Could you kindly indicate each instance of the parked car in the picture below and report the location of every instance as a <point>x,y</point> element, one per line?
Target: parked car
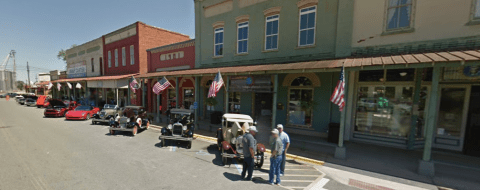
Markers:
<point>30,102</point>
<point>21,100</point>
<point>180,127</point>
<point>57,108</point>
<point>18,97</point>
<point>230,136</point>
<point>3,95</point>
<point>107,115</point>
<point>81,113</point>
<point>42,100</point>
<point>131,119</point>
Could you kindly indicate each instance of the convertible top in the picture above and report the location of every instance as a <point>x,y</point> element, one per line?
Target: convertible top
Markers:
<point>237,116</point>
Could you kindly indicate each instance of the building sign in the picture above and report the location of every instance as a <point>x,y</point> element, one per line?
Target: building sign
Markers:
<point>461,73</point>
<point>171,56</point>
<point>251,84</point>
<point>77,70</point>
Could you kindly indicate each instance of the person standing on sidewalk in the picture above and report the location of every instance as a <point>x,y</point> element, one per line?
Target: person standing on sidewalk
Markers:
<point>249,147</point>
<point>276,146</point>
<point>286,143</point>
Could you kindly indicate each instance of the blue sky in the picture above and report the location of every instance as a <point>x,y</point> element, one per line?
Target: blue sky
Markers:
<point>37,30</point>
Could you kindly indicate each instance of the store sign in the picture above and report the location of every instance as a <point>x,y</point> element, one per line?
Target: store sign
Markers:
<point>171,56</point>
<point>461,73</point>
<point>250,84</point>
<point>77,70</point>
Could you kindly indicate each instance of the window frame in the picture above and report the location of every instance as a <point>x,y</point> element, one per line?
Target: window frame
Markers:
<point>248,35</point>
<point>132,55</point>
<point>109,59</point>
<point>92,64</point>
<point>475,11</point>
<point>116,57</point>
<point>410,27</point>
<point>277,34</point>
<point>124,57</point>
<point>314,27</point>
<point>214,40</point>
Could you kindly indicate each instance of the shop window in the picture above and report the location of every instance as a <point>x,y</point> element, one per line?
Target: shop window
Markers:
<point>234,102</point>
<point>427,74</point>
<point>400,74</point>
<point>306,34</point>
<point>300,103</point>
<point>301,81</point>
<point>242,40</point>
<point>271,32</point>
<point>399,14</point>
<point>188,98</point>
<point>172,98</point>
<point>218,42</point>
<point>371,76</point>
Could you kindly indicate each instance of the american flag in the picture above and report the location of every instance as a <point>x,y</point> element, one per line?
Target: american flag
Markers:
<point>134,84</point>
<point>339,92</point>
<point>216,85</point>
<point>161,85</point>
<point>59,86</point>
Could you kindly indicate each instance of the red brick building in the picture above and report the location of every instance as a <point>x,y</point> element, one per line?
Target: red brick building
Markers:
<point>178,56</point>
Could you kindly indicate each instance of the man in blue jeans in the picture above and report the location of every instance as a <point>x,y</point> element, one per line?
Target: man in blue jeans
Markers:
<point>276,158</point>
<point>249,147</point>
<point>286,143</point>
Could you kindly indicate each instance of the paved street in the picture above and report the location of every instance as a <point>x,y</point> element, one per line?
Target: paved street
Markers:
<point>51,153</point>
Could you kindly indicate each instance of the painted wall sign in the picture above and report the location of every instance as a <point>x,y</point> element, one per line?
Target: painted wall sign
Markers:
<point>170,56</point>
<point>77,70</point>
<point>471,71</point>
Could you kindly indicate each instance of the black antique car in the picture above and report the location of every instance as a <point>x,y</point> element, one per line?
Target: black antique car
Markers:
<point>131,119</point>
<point>180,127</point>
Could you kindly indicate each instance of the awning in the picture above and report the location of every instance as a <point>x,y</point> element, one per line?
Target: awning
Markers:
<point>328,65</point>
<point>101,78</point>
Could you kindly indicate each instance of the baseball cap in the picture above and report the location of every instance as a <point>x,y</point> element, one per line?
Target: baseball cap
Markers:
<point>253,128</point>
<point>279,126</point>
<point>275,131</point>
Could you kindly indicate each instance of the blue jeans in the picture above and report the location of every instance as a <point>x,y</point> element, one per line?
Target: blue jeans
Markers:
<point>248,164</point>
<point>282,164</point>
<point>275,169</point>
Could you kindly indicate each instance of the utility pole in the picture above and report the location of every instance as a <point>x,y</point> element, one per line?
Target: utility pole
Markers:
<point>28,71</point>
<point>14,87</point>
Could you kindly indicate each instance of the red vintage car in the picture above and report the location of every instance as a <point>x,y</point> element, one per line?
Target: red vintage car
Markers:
<point>57,108</point>
<point>81,113</point>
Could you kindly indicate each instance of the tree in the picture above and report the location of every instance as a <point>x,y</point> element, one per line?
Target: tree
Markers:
<point>20,85</point>
<point>63,55</point>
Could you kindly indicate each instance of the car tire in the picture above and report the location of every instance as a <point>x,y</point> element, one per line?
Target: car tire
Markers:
<point>112,132</point>
<point>189,145</point>
<point>135,130</point>
<point>94,123</point>
<point>88,117</point>
<point>259,163</point>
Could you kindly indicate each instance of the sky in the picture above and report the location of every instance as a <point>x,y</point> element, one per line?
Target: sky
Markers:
<point>37,30</point>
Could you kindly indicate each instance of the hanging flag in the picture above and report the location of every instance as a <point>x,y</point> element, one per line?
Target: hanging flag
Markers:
<point>161,85</point>
<point>134,84</point>
<point>50,85</point>
<point>339,92</point>
<point>78,86</point>
<point>59,86</point>
<point>216,85</point>
<point>69,85</point>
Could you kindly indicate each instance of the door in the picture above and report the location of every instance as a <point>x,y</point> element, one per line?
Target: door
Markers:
<point>451,117</point>
<point>263,105</point>
<point>472,142</point>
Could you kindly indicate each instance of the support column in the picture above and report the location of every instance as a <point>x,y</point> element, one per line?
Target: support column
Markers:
<point>416,98</point>
<point>197,100</point>
<point>274,102</point>
<point>426,166</point>
<point>118,101</point>
<point>128,92</point>
<point>158,105</point>
<point>227,86</point>
<point>176,92</point>
<point>144,88</point>
<point>340,150</point>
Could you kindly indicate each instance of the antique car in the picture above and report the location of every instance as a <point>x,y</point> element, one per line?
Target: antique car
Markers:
<point>42,100</point>
<point>107,115</point>
<point>230,136</point>
<point>180,127</point>
<point>57,108</point>
<point>81,113</point>
<point>30,102</point>
<point>132,119</point>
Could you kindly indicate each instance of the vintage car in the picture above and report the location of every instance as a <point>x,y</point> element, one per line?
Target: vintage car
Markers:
<point>180,127</point>
<point>81,113</point>
<point>107,115</point>
<point>30,102</point>
<point>132,119</point>
<point>230,136</point>
<point>57,108</point>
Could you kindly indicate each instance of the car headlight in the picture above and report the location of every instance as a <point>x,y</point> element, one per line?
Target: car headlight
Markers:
<point>83,114</point>
<point>184,127</point>
<point>170,126</point>
<point>98,112</point>
<point>66,113</point>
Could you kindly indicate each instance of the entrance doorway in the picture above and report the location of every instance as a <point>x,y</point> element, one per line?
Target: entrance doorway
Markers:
<point>472,142</point>
<point>263,106</point>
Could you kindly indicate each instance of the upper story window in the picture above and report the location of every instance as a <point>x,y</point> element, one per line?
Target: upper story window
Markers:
<point>93,65</point>
<point>132,55</point>
<point>271,32</point>
<point>116,57</point>
<point>307,26</point>
<point>218,42</point>
<point>399,14</point>
<point>109,59</point>
<point>476,12</point>
<point>124,57</point>
<point>242,40</point>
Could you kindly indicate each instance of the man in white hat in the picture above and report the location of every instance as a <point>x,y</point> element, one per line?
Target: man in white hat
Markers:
<point>286,143</point>
<point>276,146</point>
<point>249,147</point>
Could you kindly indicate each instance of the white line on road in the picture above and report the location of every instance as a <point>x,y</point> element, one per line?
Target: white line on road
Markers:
<point>319,185</point>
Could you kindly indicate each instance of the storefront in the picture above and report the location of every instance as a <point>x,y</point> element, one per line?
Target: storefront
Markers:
<point>109,90</point>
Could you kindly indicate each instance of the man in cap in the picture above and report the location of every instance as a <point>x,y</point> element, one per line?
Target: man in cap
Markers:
<point>249,147</point>
<point>276,146</point>
<point>286,143</point>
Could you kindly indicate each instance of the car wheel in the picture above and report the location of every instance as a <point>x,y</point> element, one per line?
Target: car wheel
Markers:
<point>94,123</point>
<point>88,117</point>
<point>260,159</point>
<point>189,146</point>
<point>112,132</point>
<point>135,129</point>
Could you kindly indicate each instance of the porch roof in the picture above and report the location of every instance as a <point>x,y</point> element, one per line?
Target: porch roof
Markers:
<point>116,77</point>
<point>328,65</point>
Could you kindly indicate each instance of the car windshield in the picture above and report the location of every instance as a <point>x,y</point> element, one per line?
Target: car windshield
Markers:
<point>109,106</point>
<point>83,108</point>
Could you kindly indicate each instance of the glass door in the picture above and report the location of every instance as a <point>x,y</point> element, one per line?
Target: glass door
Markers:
<point>451,118</point>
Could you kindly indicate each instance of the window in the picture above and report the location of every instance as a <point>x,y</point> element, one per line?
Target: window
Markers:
<point>399,14</point>
<point>476,12</point>
<point>271,32</point>
<point>109,59</point>
<point>93,66</point>
<point>307,26</point>
<point>172,98</point>
<point>116,57</point>
<point>242,40</point>
<point>218,42</point>
<point>132,55</point>
<point>234,102</point>
<point>124,60</point>
<point>300,103</point>
<point>188,97</point>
